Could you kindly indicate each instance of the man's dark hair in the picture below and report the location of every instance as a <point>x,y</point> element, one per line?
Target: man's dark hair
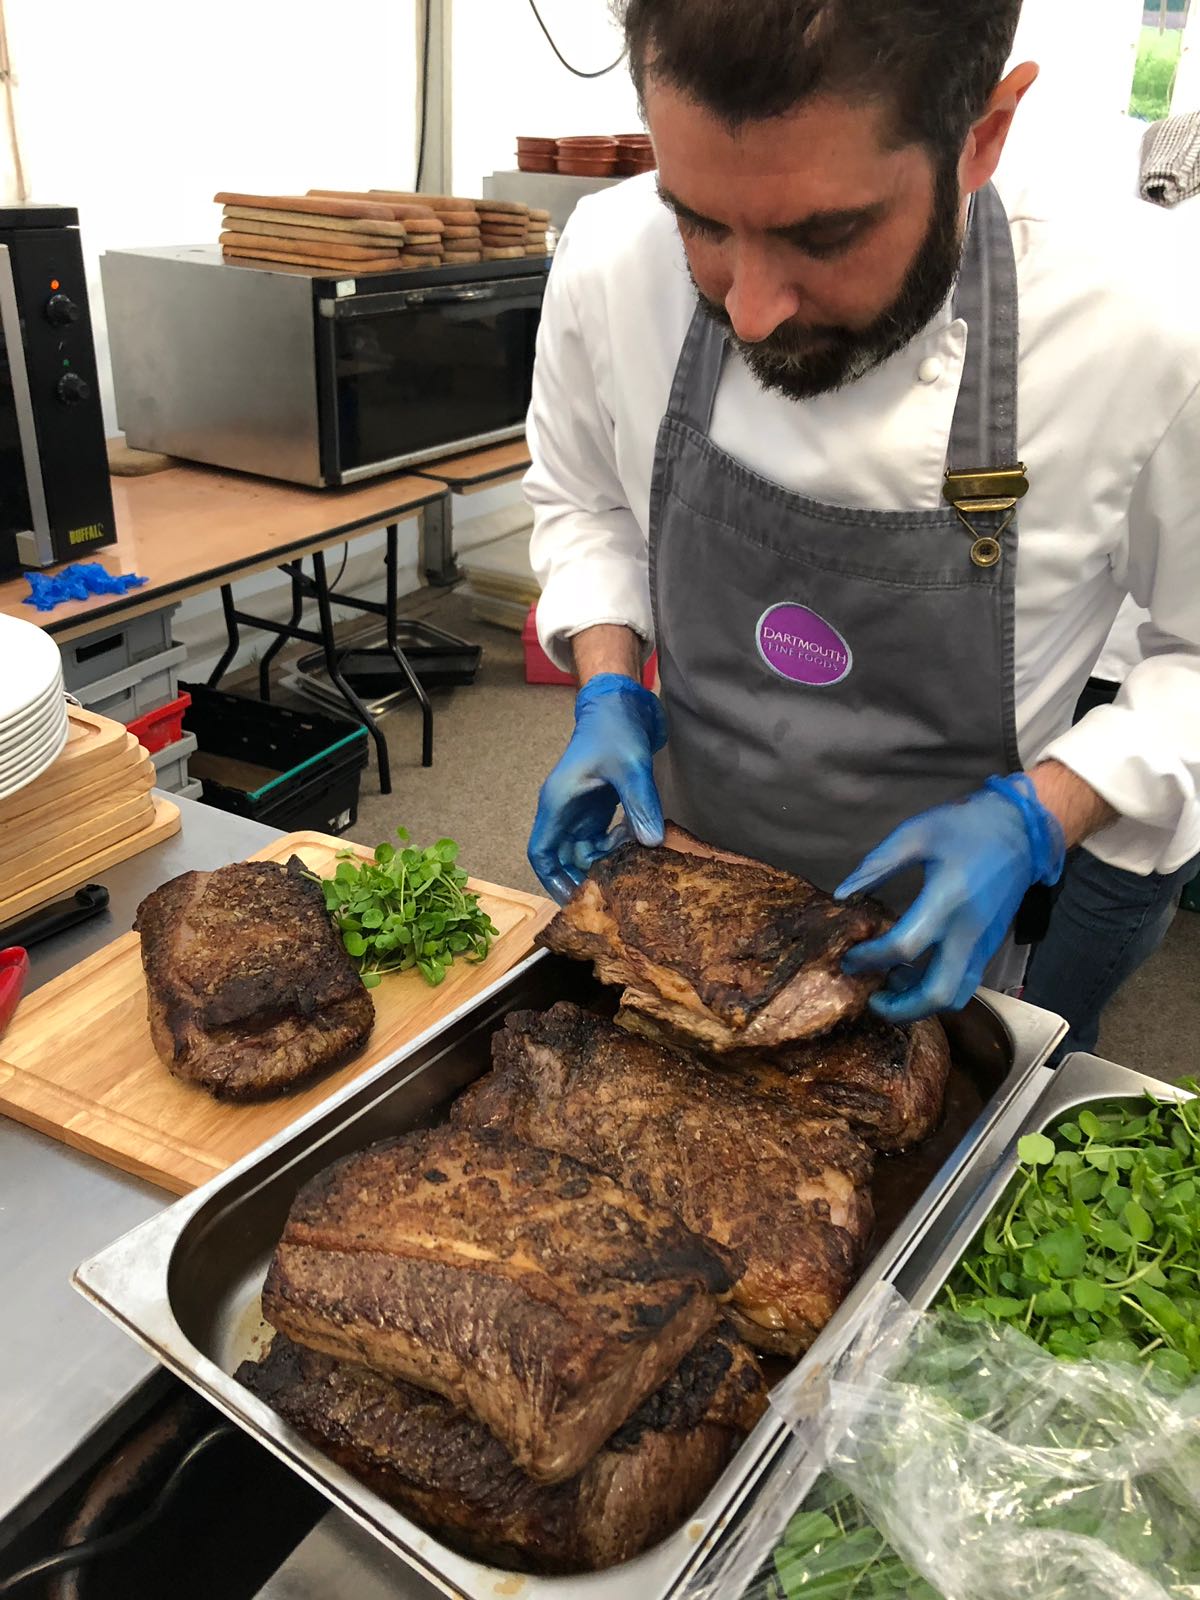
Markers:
<point>935,62</point>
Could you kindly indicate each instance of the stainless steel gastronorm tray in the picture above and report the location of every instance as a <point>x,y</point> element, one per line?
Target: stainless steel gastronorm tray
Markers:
<point>1081,1081</point>
<point>186,1283</point>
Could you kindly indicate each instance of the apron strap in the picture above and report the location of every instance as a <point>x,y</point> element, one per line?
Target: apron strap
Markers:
<point>698,373</point>
<point>984,431</point>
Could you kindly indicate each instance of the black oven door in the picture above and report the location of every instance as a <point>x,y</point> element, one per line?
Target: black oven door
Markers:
<point>409,374</point>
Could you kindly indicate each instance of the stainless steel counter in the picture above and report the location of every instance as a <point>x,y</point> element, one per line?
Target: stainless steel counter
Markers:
<point>63,1369</point>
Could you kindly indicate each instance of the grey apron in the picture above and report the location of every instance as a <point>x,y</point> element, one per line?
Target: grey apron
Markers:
<point>828,672</point>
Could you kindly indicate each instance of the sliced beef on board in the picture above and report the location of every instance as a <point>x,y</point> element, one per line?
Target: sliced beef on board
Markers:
<point>788,1192</point>
<point>730,953</point>
<point>516,1282</point>
<point>250,990</point>
<point>443,1468</point>
<point>888,1082</point>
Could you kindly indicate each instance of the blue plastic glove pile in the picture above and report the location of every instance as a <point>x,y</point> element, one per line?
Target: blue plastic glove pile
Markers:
<point>79,581</point>
<point>980,857</point>
<point>619,728</point>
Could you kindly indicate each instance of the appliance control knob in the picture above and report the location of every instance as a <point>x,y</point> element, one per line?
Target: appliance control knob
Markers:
<point>72,389</point>
<point>61,311</point>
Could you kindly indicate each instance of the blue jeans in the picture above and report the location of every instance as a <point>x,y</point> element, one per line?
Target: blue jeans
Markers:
<point>1104,924</point>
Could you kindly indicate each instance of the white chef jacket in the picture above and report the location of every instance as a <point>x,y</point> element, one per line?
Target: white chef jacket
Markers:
<point>1108,427</point>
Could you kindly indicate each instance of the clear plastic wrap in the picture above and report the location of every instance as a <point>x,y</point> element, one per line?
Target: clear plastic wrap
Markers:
<point>939,1457</point>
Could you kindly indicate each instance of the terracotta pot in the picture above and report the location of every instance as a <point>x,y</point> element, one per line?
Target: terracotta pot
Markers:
<point>588,146</point>
<point>537,147</point>
<point>528,162</point>
<point>578,168</point>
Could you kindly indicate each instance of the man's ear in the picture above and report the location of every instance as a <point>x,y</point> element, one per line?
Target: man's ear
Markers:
<point>986,140</point>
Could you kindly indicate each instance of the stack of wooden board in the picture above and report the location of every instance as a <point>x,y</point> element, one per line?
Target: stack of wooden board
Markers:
<point>357,231</point>
<point>329,233</point>
<point>536,225</point>
<point>92,807</point>
<point>460,219</point>
<point>473,230</point>
<point>511,230</point>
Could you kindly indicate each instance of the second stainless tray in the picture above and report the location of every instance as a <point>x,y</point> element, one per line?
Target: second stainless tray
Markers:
<point>186,1284</point>
<point>1082,1080</point>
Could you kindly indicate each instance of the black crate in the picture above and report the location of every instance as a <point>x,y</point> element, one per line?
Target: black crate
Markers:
<point>318,760</point>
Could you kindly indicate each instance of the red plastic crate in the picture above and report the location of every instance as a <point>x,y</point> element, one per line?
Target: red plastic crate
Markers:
<point>162,726</point>
<point>540,669</point>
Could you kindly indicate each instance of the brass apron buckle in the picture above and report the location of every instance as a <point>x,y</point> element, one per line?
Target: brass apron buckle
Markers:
<point>972,493</point>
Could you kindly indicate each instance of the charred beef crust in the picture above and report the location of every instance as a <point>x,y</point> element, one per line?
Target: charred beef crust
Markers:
<point>249,988</point>
<point>730,951</point>
<point>718,1380</point>
<point>737,933</point>
<point>887,1081</point>
<point>443,1467</point>
<point>260,946</point>
<point>788,1191</point>
<point>512,1280</point>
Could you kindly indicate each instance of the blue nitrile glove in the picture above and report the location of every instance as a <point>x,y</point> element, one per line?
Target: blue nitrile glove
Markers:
<point>980,857</point>
<point>618,728</point>
<point>79,581</point>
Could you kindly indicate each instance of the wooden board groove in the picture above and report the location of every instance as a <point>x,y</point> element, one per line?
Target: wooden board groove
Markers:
<point>77,1062</point>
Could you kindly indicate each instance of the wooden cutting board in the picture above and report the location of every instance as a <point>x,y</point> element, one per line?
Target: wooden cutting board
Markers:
<point>77,1061</point>
<point>123,815</point>
<point>159,823</point>
<point>60,788</point>
<point>72,827</point>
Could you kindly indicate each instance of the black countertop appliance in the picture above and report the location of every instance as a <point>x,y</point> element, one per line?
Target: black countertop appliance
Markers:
<point>55,498</point>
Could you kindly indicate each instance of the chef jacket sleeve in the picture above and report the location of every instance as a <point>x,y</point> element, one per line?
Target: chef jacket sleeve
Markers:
<point>1142,753</point>
<point>588,549</point>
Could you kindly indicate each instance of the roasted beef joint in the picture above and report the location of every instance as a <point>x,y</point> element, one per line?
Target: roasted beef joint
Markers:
<point>439,1465</point>
<point>786,1190</point>
<point>249,988</point>
<point>887,1081</point>
<point>730,953</point>
<point>516,1282</point>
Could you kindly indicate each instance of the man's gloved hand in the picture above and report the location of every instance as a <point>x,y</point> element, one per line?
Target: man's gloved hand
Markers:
<point>980,857</point>
<point>619,726</point>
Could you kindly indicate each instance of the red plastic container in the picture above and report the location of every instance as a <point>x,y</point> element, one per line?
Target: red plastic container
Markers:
<point>162,726</point>
<point>540,669</point>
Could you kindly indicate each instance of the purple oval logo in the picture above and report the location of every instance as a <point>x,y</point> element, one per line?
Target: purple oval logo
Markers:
<point>801,646</point>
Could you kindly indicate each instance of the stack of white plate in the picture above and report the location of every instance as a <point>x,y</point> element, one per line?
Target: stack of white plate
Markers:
<point>33,705</point>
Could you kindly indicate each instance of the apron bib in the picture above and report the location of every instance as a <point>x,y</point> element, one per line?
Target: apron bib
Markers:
<point>827,672</point>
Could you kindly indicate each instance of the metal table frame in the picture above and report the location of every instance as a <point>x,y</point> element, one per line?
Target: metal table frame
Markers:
<point>440,569</point>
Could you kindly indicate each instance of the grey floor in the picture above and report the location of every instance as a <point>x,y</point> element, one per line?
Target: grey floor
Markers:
<point>494,743</point>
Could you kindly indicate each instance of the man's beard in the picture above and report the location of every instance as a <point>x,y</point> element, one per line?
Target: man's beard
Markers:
<point>790,362</point>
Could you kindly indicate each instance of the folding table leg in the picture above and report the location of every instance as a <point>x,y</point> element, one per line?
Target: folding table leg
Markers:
<point>391,560</point>
<point>231,629</point>
<point>333,665</point>
<point>293,570</point>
